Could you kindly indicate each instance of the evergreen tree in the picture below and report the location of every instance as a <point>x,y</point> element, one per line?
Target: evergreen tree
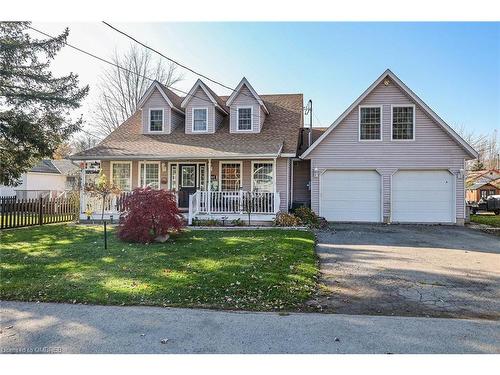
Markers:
<point>35,106</point>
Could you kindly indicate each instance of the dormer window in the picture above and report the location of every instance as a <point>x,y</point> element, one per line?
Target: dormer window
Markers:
<point>156,120</point>
<point>245,118</point>
<point>200,116</point>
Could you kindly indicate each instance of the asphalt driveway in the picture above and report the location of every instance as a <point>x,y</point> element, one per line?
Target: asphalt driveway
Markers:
<point>409,270</point>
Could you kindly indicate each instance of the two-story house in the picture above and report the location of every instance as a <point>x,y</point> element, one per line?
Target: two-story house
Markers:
<point>217,153</point>
<point>387,158</point>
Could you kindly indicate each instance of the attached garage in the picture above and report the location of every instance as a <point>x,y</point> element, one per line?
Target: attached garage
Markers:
<point>352,196</point>
<point>423,196</point>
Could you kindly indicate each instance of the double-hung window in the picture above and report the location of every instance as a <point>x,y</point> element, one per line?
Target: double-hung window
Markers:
<point>403,122</point>
<point>370,123</point>
<point>200,117</point>
<point>149,174</point>
<point>156,120</point>
<point>245,118</point>
<point>230,176</point>
<point>262,177</point>
<point>121,175</point>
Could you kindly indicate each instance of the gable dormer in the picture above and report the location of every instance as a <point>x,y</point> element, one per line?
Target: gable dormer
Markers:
<point>161,112</point>
<point>204,109</point>
<point>247,109</point>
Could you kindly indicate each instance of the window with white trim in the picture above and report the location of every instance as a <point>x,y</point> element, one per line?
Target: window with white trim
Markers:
<point>121,175</point>
<point>370,123</point>
<point>150,175</point>
<point>200,116</point>
<point>156,120</point>
<point>402,123</point>
<point>245,118</point>
<point>230,176</point>
<point>263,177</point>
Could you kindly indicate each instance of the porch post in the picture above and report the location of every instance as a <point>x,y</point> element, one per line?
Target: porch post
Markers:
<point>209,187</point>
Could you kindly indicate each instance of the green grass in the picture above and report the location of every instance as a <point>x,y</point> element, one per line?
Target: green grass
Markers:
<point>492,220</point>
<point>254,270</point>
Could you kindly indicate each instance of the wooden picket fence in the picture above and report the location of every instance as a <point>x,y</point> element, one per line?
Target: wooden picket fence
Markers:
<point>37,211</point>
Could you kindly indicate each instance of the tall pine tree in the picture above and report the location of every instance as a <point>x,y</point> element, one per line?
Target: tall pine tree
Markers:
<point>35,106</point>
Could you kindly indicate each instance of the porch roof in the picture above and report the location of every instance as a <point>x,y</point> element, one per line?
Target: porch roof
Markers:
<point>280,134</point>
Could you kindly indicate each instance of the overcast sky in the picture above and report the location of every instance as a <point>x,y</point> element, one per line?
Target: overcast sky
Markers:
<point>453,67</point>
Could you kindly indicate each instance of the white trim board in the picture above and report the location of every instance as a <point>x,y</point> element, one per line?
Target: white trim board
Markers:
<point>237,129</point>
<point>121,162</point>
<point>388,73</point>
<point>240,162</point>
<point>414,121</point>
<point>253,162</point>
<point>206,120</point>
<point>162,120</point>
<point>381,123</point>
<point>139,172</point>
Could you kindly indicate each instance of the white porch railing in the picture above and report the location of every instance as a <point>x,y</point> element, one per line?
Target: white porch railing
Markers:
<point>233,202</point>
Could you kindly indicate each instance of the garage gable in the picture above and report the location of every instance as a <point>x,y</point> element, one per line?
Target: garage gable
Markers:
<point>431,132</point>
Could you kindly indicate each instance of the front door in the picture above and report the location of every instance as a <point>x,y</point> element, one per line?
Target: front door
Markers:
<point>187,183</point>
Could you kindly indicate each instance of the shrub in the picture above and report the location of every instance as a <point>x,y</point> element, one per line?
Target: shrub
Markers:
<point>284,219</point>
<point>148,214</point>
<point>238,222</point>
<point>307,216</point>
<point>206,223</point>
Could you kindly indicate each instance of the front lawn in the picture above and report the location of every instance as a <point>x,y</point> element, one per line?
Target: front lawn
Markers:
<point>492,220</point>
<point>254,270</point>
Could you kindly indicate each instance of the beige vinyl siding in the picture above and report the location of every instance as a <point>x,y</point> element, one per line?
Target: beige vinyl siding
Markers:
<point>106,169</point>
<point>301,177</point>
<point>156,101</point>
<point>432,148</point>
<point>200,100</point>
<point>219,117</point>
<point>178,120</point>
<point>282,181</point>
<point>246,99</point>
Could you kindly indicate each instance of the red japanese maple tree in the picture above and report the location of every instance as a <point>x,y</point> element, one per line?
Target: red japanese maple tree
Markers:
<point>148,214</point>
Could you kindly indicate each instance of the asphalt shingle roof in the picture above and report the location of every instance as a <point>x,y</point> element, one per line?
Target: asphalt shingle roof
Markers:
<point>280,133</point>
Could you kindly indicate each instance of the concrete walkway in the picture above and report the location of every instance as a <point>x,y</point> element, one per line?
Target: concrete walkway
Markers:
<point>63,328</point>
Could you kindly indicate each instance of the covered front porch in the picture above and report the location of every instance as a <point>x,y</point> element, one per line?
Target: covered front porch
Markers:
<point>219,189</point>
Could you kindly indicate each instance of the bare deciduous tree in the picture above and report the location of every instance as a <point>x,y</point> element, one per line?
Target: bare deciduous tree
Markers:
<point>83,142</point>
<point>120,90</point>
<point>487,145</point>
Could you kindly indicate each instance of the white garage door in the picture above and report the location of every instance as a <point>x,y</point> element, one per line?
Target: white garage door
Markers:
<point>423,197</point>
<point>350,196</point>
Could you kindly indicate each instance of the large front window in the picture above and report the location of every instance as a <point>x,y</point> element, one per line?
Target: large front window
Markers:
<point>200,116</point>
<point>370,123</point>
<point>121,175</point>
<point>230,176</point>
<point>245,118</point>
<point>156,120</point>
<point>403,123</point>
<point>150,175</point>
<point>262,177</point>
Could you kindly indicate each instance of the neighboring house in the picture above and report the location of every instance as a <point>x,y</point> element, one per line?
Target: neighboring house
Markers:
<point>211,150</point>
<point>481,184</point>
<point>389,158</point>
<point>48,178</point>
